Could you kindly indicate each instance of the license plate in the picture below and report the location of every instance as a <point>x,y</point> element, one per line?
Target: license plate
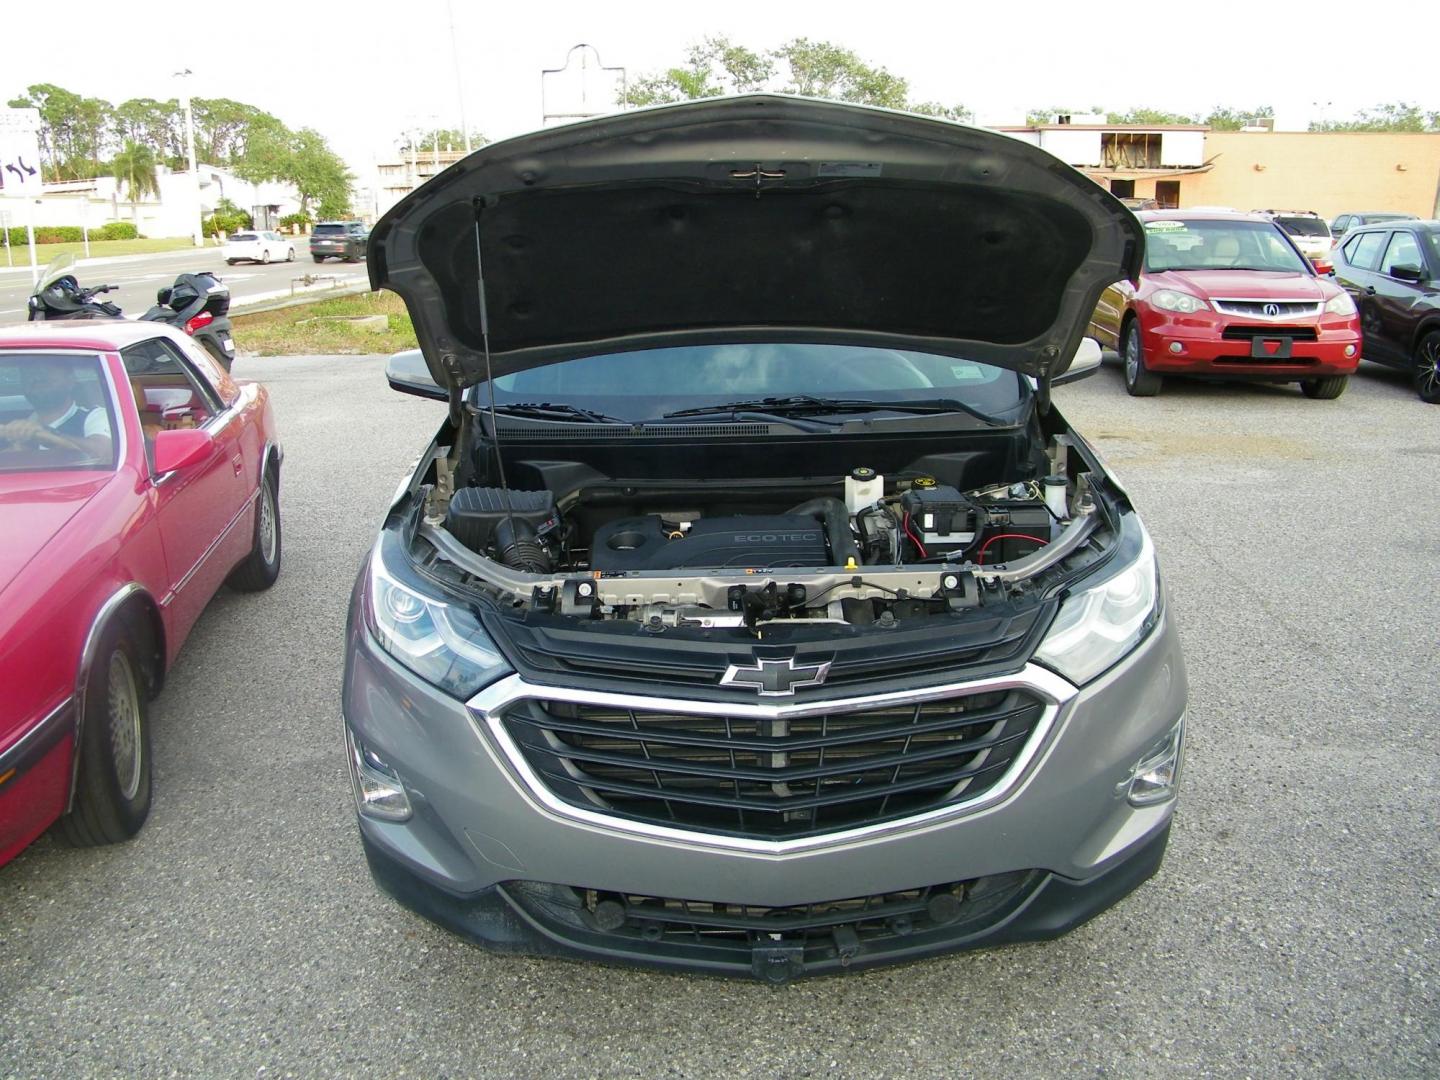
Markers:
<point>1271,348</point>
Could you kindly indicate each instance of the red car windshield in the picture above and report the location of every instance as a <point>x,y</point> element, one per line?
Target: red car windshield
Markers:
<point>1218,244</point>
<point>55,414</point>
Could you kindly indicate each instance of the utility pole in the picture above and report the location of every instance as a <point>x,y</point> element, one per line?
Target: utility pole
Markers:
<point>197,232</point>
<point>459,86</point>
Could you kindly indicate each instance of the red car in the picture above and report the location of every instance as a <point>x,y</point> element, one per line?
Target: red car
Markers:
<point>1228,296</point>
<point>136,477</point>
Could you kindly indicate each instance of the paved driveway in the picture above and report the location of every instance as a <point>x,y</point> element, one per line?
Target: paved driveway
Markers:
<point>1292,931</point>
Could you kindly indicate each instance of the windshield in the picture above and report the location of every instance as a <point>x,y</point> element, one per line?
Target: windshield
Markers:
<point>54,414</point>
<point>1303,226</point>
<point>647,384</point>
<point>244,237</point>
<point>58,267</point>
<point>329,230</point>
<point>1218,244</point>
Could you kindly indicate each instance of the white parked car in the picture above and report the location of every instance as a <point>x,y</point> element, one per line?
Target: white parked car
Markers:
<point>259,245</point>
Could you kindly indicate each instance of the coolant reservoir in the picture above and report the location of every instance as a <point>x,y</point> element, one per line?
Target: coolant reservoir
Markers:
<point>863,487</point>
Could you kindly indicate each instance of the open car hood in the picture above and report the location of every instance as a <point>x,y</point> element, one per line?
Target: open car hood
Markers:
<point>753,218</point>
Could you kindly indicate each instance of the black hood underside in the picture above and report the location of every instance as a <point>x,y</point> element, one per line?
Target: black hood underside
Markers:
<point>758,218</point>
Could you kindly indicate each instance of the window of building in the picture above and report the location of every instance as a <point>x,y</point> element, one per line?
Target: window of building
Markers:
<point>1167,194</point>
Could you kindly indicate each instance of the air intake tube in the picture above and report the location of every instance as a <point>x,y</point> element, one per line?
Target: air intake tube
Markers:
<point>832,511</point>
<point>518,547</point>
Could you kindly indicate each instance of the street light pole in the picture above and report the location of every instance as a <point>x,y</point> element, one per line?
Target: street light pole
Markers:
<point>459,86</point>
<point>197,232</point>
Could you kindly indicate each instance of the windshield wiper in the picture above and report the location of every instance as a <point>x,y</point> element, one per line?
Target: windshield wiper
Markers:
<point>807,405</point>
<point>546,410</point>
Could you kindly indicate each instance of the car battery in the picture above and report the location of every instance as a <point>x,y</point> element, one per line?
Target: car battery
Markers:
<point>1016,528</point>
<point>942,518</point>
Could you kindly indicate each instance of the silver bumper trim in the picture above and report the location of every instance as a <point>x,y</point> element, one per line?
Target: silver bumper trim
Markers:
<point>487,706</point>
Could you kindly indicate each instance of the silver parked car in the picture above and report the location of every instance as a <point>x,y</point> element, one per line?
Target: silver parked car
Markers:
<point>755,611</point>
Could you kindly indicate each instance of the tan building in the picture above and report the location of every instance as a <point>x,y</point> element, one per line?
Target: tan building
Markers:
<point>1328,172</point>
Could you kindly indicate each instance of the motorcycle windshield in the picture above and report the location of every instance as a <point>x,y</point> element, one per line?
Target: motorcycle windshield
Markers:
<point>58,267</point>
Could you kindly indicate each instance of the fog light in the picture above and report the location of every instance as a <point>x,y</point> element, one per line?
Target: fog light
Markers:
<point>1176,347</point>
<point>1349,350</point>
<point>1156,775</point>
<point>378,790</point>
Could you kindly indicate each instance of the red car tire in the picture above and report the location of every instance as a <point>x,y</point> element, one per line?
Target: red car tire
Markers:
<point>113,788</point>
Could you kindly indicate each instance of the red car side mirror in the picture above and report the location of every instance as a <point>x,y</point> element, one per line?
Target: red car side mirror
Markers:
<point>181,448</point>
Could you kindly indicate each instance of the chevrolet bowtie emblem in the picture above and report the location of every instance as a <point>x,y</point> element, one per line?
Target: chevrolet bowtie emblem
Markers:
<point>775,678</point>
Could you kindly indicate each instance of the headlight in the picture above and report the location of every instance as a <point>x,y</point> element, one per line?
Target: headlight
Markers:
<point>1097,627</point>
<point>441,642</point>
<point>1175,300</point>
<point>1340,304</point>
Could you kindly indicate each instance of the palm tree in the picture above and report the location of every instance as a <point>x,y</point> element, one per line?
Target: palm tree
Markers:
<point>134,170</point>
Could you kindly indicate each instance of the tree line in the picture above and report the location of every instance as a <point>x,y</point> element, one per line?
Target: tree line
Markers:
<point>716,66</point>
<point>85,137</point>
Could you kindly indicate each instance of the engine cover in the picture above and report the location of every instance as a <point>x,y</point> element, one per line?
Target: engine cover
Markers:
<point>761,542</point>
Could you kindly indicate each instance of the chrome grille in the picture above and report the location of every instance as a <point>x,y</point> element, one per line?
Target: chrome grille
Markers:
<point>1269,309</point>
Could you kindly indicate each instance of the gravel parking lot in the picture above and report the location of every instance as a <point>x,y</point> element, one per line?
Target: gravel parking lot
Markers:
<point>1292,931</point>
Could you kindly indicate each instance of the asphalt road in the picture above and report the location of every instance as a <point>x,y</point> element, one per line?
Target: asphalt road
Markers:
<point>138,276</point>
<point>1291,932</point>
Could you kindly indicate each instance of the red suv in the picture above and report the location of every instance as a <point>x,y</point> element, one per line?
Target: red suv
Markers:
<point>1228,296</point>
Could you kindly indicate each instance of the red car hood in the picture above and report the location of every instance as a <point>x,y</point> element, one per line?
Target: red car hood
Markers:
<point>1242,284</point>
<point>33,508</point>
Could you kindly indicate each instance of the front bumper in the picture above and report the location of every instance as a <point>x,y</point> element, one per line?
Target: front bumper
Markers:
<point>481,846</point>
<point>1203,351</point>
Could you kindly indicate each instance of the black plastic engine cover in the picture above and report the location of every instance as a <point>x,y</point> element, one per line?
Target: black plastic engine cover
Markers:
<point>759,542</point>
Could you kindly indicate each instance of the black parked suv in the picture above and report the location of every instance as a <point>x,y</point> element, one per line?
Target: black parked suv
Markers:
<point>339,239</point>
<point>1393,272</point>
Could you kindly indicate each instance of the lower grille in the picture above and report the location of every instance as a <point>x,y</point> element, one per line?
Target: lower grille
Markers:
<point>777,942</point>
<point>768,778</point>
<point>1250,333</point>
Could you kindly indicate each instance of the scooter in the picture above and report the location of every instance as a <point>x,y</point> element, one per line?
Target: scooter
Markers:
<point>199,304</point>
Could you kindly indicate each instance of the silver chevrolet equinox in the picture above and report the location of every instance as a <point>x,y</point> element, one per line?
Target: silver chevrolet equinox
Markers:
<point>755,611</point>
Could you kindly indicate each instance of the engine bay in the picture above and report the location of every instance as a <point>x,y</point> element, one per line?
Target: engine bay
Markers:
<point>861,548</point>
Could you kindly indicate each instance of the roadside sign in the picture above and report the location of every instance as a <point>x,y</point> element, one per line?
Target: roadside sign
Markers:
<point>20,167</point>
<point>20,152</point>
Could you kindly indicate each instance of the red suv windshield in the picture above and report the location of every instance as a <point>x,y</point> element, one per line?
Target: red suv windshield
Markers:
<point>1218,244</point>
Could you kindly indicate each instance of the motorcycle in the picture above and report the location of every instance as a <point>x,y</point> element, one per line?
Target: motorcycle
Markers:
<point>58,295</point>
<point>198,304</point>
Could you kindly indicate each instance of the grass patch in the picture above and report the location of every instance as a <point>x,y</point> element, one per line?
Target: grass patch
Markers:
<point>45,252</point>
<point>317,328</point>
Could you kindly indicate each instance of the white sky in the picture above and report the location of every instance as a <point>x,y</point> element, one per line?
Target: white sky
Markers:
<point>361,71</point>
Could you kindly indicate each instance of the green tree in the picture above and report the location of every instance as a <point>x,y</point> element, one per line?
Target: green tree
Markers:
<point>959,113</point>
<point>158,124</point>
<point>1400,116</point>
<point>73,130</point>
<point>225,128</point>
<point>304,159</point>
<point>821,69</point>
<point>1149,118</point>
<point>134,170</point>
<point>712,68</point>
<point>717,66</point>
<point>1223,118</point>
